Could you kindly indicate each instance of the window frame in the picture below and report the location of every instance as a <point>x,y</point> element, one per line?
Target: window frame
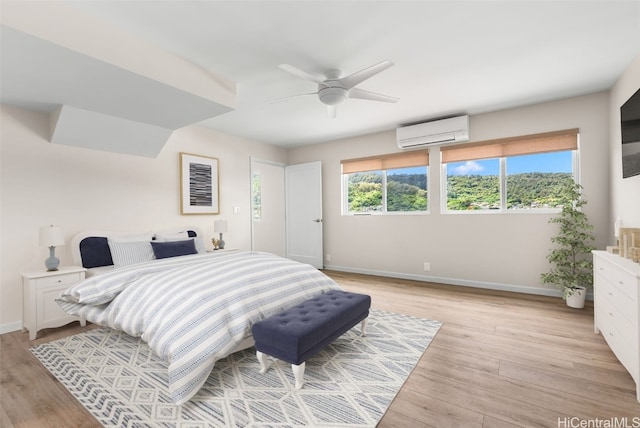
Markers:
<point>381,161</point>
<point>502,179</point>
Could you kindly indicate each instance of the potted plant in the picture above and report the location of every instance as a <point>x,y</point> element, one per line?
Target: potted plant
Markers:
<point>572,266</point>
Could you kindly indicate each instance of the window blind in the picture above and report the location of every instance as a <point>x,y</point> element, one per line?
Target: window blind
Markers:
<point>514,146</point>
<point>384,162</point>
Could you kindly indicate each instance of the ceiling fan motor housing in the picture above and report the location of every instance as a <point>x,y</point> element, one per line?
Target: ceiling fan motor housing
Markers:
<point>332,95</point>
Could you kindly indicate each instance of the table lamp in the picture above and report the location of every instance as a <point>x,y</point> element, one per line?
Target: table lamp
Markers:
<point>51,236</point>
<point>220,226</point>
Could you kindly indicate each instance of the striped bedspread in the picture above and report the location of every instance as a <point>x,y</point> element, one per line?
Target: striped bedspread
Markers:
<point>194,310</point>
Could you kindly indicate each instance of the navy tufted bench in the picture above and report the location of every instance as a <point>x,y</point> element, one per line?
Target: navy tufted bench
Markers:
<point>302,331</point>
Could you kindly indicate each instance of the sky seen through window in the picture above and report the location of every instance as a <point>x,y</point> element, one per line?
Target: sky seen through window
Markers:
<point>543,162</point>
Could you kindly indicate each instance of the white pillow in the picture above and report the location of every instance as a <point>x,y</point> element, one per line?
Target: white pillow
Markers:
<point>200,248</point>
<point>181,236</point>
<point>138,237</point>
<point>128,253</point>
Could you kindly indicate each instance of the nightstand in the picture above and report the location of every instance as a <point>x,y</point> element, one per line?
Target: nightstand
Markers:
<point>39,291</point>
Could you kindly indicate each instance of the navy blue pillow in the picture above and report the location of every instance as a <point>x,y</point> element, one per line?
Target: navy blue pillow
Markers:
<point>95,252</point>
<point>163,250</point>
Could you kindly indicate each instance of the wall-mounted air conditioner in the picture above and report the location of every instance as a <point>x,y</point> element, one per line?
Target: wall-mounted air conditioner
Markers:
<point>437,132</point>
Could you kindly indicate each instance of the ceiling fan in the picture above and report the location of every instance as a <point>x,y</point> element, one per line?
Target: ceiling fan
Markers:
<point>333,89</point>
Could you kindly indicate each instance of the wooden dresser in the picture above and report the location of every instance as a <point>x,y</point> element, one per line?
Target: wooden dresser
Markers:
<point>617,308</point>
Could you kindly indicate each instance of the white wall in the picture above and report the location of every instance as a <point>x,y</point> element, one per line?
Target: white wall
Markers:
<point>79,189</point>
<point>503,251</point>
<point>625,193</point>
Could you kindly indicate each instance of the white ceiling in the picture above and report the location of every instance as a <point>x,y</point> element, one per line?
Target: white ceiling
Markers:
<point>451,57</point>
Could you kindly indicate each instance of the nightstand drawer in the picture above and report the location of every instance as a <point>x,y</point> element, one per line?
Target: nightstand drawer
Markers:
<point>67,279</point>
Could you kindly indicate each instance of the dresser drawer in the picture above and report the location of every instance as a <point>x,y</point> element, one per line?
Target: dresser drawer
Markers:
<point>610,317</point>
<point>624,282</point>
<point>624,304</point>
<point>67,279</point>
<point>625,351</point>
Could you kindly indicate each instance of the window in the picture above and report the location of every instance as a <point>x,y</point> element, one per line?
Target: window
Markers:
<point>473,185</point>
<point>365,191</point>
<point>534,181</point>
<point>407,189</point>
<point>256,196</point>
<point>521,173</point>
<point>394,183</point>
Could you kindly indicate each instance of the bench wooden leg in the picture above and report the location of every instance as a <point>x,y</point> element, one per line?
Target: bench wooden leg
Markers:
<point>298,374</point>
<point>363,325</point>
<point>264,362</point>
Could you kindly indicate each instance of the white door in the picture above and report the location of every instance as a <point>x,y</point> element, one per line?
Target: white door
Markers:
<point>303,184</point>
<point>267,207</point>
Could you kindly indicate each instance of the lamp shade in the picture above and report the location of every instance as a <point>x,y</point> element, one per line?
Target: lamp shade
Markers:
<point>51,236</point>
<point>220,226</point>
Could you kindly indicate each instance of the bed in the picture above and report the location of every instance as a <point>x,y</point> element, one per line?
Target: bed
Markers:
<point>191,306</point>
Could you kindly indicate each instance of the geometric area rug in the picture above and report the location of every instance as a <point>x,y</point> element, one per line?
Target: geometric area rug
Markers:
<point>350,383</point>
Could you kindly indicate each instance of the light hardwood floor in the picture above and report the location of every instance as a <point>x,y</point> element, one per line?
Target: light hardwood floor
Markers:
<point>499,360</point>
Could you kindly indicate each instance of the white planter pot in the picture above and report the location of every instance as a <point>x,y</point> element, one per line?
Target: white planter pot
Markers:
<point>576,300</point>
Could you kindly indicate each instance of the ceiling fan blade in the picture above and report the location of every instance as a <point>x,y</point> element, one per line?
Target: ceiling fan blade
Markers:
<point>360,76</point>
<point>297,72</point>
<point>373,96</point>
<point>291,97</point>
<point>331,111</point>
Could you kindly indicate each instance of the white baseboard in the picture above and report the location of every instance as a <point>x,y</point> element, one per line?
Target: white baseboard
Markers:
<point>453,281</point>
<point>8,328</point>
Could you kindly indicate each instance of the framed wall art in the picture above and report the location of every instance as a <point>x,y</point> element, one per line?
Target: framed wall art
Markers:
<point>199,187</point>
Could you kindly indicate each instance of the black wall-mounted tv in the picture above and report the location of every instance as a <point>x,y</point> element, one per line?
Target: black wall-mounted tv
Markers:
<point>630,125</point>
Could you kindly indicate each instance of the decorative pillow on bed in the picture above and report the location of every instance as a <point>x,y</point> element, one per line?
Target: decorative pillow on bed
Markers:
<point>181,236</point>
<point>163,250</point>
<point>199,242</point>
<point>128,253</point>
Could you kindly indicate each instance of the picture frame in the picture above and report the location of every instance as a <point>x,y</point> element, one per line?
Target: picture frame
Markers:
<point>199,184</point>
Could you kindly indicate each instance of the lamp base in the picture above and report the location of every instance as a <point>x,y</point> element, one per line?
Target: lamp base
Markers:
<point>52,262</point>
<point>221,243</point>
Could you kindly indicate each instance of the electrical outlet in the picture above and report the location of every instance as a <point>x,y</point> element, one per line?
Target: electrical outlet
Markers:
<point>427,266</point>
<point>328,257</point>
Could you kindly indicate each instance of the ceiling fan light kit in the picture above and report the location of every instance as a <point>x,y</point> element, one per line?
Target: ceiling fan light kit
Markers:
<point>334,89</point>
<point>332,96</point>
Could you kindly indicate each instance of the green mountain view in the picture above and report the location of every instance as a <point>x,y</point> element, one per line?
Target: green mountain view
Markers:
<point>407,192</point>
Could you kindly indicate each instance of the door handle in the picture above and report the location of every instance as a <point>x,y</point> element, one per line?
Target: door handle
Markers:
<point>318,220</point>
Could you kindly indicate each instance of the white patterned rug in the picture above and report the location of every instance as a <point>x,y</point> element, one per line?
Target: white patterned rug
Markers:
<point>348,384</point>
